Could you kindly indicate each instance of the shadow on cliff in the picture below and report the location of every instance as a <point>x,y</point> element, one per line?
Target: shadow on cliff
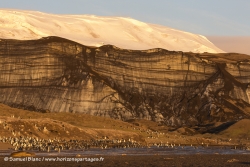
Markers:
<point>217,129</point>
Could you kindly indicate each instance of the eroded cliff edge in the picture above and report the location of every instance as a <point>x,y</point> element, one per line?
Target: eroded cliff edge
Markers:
<point>174,88</point>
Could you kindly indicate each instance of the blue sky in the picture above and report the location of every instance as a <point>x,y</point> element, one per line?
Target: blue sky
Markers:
<point>206,17</point>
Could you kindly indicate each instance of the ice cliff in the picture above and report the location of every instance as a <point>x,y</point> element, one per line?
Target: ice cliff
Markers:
<point>175,88</point>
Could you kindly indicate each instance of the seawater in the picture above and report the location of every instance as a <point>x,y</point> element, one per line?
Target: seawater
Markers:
<point>187,150</point>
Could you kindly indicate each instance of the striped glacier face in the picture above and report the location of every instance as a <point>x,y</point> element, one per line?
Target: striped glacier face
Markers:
<point>126,33</point>
<point>174,88</point>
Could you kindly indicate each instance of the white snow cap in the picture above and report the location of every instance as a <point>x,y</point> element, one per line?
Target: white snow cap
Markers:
<point>126,33</point>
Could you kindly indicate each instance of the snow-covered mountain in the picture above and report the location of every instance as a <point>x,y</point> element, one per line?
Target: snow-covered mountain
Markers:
<point>93,30</point>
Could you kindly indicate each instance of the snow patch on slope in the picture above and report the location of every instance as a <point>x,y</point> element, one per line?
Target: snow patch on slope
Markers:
<point>93,30</point>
